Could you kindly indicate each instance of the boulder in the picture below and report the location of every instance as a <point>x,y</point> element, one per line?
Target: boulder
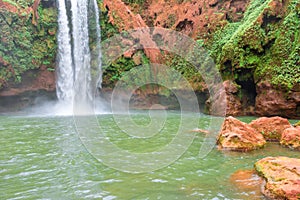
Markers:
<point>271,127</point>
<point>282,177</point>
<point>291,137</point>
<point>239,136</point>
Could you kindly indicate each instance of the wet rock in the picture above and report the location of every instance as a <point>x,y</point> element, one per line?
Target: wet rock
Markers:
<point>48,3</point>
<point>247,181</point>
<point>297,124</point>
<point>291,138</point>
<point>282,176</point>
<point>234,105</point>
<point>271,101</point>
<point>270,127</point>
<point>198,130</point>
<point>35,84</point>
<point>239,136</point>
<point>225,96</point>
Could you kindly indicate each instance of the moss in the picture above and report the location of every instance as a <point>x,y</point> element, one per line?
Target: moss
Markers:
<point>20,3</point>
<point>297,124</point>
<point>24,46</point>
<point>107,29</point>
<point>115,70</point>
<point>264,41</point>
<point>131,2</point>
<point>265,44</point>
<point>171,20</point>
<point>186,69</point>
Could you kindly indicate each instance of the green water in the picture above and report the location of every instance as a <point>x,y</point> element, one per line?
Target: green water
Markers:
<point>43,158</point>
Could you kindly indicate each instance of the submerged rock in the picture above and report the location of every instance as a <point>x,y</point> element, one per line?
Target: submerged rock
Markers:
<point>270,127</point>
<point>198,130</point>
<point>282,176</point>
<point>291,137</point>
<point>247,181</point>
<point>239,136</point>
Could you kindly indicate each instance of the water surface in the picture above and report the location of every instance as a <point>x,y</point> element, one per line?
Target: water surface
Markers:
<point>43,158</point>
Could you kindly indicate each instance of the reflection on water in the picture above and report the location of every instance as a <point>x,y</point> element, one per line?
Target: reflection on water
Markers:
<point>44,158</point>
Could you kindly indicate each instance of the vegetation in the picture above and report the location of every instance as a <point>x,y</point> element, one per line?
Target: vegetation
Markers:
<point>115,71</point>
<point>20,3</point>
<point>187,70</point>
<point>23,45</point>
<point>138,2</point>
<point>107,29</point>
<point>266,43</point>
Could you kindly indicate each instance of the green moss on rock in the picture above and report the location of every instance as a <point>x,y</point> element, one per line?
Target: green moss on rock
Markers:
<point>266,40</point>
<point>24,46</point>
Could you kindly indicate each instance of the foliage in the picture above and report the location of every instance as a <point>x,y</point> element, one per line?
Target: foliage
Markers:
<point>107,29</point>
<point>186,69</point>
<point>264,45</point>
<point>20,3</point>
<point>115,71</point>
<point>24,46</point>
<point>265,42</point>
<point>138,2</point>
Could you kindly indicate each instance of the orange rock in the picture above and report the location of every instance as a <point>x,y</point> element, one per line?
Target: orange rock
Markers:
<point>271,127</point>
<point>44,81</point>
<point>271,101</point>
<point>282,175</point>
<point>239,136</point>
<point>291,137</point>
<point>197,130</point>
<point>227,96</point>
<point>193,18</point>
<point>121,15</point>
<point>14,9</point>
<point>247,181</point>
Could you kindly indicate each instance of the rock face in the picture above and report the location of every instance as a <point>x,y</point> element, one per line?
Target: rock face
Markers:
<point>271,101</point>
<point>36,83</point>
<point>190,17</point>
<point>282,176</point>
<point>27,52</point>
<point>234,105</point>
<point>248,52</point>
<point>270,127</point>
<point>226,97</point>
<point>121,16</point>
<point>291,137</point>
<point>239,136</point>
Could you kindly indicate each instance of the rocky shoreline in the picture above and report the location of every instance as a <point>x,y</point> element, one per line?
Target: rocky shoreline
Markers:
<point>280,175</point>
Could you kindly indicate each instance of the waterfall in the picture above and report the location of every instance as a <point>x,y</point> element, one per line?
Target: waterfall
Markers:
<point>65,76</point>
<point>74,80</point>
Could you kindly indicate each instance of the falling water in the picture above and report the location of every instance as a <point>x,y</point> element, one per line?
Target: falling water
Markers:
<point>65,76</point>
<point>97,51</point>
<point>74,81</point>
